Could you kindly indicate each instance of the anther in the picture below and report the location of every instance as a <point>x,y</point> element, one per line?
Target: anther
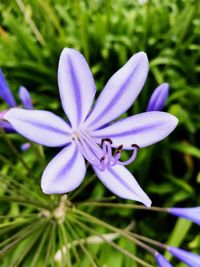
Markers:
<point>106,140</point>
<point>120,147</point>
<point>135,146</point>
<point>102,159</point>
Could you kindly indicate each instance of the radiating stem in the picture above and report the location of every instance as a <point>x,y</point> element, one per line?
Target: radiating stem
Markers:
<point>119,205</point>
<point>149,240</point>
<point>124,233</point>
<point>72,229</point>
<point>111,243</point>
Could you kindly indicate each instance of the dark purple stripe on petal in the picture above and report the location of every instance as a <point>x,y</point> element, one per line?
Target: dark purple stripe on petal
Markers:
<point>70,163</point>
<point>76,87</point>
<point>120,179</point>
<point>117,96</point>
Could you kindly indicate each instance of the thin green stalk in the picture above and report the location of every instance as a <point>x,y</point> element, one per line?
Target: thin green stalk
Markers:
<point>18,216</point>
<point>111,243</point>
<point>39,153</point>
<point>51,245</point>
<point>22,235</point>
<point>32,240</point>
<point>149,240</point>
<point>15,151</point>
<point>119,205</point>
<point>24,202</point>
<point>73,246</point>
<point>72,229</point>
<point>124,233</point>
<point>65,241</point>
<point>30,22</point>
<point>41,246</point>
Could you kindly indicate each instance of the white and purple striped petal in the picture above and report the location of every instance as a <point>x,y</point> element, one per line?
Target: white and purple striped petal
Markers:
<point>193,260</point>
<point>192,214</point>
<point>162,261</point>
<point>25,98</point>
<point>122,183</point>
<point>42,127</point>
<point>142,129</point>
<point>64,172</point>
<point>158,98</point>
<point>120,91</point>
<point>5,92</point>
<point>76,86</point>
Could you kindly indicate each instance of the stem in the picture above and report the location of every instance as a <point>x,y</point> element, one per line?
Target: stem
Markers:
<point>123,251</point>
<point>149,240</point>
<point>15,151</point>
<point>72,229</point>
<point>119,205</point>
<point>124,233</point>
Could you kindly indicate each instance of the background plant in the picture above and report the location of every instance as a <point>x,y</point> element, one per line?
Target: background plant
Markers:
<point>32,35</point>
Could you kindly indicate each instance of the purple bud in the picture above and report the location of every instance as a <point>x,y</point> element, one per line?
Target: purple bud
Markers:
<point>25,146</point>
<point>193,260</point>
<point>25,98</point>
<point>5,92</point>
<point>158,98</point>
<point>6,126</point>
<point>162,261</point>
<point>192,214</point>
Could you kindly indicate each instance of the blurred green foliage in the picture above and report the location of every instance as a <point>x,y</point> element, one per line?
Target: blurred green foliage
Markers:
<point>32,35</point>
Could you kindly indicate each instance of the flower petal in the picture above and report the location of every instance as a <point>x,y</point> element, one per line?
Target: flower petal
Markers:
<point>192,214</point>
<point>162,261</point>
<point>143,129</point>
<point>42,127</point>
<point>193,260</point>
<point>120,91</point>
<point>65,172</point>
<point>5,92</point>
<point>158,98</point>
<point>122,183</point>
<point>76,85</point>
<point>25,98</point>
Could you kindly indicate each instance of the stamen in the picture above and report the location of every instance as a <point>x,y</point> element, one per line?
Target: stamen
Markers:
<point>92,144</point>
<point>116,157</point>
<point>107,151</point>
<point>85,152</point>
<point>132,158</point>
<point>106,140</point>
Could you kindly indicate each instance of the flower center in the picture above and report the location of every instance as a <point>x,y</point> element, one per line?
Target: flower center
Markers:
<point>101,156</point>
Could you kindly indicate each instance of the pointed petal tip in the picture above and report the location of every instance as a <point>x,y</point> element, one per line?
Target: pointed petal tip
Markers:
<point>142,56</point>
<point>147,202</point>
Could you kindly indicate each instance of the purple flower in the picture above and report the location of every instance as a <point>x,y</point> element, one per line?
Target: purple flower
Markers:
<point>192,214</point>
<point>162,261</point>
<point>158,98</point>
<point>25,97</point>
<point>193,260</point>
<point>7,96</point>
<point>93,134</point>
<point>5,92</point>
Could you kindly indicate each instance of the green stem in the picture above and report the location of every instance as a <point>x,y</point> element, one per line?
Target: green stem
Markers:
<point>111,243</point>
<point>119,205</point>
<point>124,233</point>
